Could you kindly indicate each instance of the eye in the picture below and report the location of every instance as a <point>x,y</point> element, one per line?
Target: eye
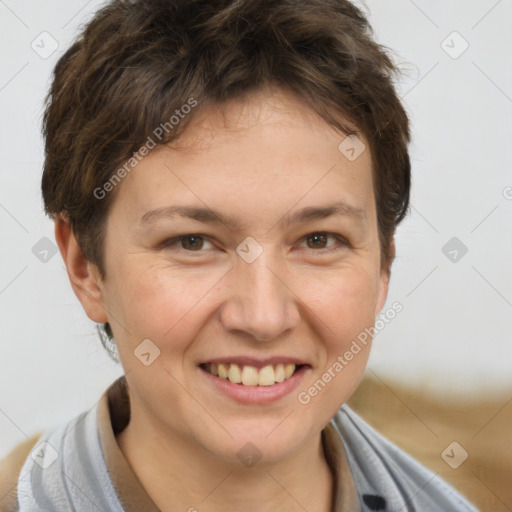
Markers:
<point>196,242</point>
<point>319,239</point>
<point>189,242</point>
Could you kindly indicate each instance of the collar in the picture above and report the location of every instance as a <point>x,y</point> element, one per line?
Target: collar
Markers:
<point>114,416</point>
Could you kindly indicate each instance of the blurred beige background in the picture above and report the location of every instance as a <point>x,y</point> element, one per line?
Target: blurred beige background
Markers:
<point>478,466</point>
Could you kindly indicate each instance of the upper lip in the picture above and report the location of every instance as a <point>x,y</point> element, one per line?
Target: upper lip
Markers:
<point>257,362</point>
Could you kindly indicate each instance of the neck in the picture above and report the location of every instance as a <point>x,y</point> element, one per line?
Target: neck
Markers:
<point>180,476</point>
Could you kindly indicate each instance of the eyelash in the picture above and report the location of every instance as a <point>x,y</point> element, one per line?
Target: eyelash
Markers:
<point>343,243</point>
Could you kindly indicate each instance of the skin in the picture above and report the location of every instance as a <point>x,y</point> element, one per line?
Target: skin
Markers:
<point>262,160</point>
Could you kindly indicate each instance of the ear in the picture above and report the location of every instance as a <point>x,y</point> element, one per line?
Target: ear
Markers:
<point>385,274</point>
<point>84,276</point>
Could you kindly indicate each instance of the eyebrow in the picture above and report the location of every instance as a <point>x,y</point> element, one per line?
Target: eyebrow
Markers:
<point>209,216</point>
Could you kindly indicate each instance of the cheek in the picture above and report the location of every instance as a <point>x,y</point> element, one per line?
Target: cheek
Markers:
<point>156,302</point>
<point>343,300</point>
<point>344,307</point>
<point>343,304</point>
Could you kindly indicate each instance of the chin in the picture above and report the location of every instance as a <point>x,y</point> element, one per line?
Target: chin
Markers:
<point>267,441</point>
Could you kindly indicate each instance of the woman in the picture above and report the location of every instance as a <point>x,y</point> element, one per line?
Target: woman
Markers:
<point>226,178</point>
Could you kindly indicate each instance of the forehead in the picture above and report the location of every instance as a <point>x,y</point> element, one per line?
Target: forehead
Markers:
<point>260,110</point>
<point>268,152</point>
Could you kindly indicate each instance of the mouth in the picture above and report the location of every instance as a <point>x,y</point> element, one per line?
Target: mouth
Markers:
<point>252,376</point>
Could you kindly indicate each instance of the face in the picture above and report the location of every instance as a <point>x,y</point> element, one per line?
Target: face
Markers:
<point>250,248</point>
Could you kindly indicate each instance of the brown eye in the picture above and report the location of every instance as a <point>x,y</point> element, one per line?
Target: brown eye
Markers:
<point>191,242</point>
<point>187,243</point>
<point>318,240</point>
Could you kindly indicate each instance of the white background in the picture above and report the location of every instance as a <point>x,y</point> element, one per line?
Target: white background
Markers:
<point>452,338</point>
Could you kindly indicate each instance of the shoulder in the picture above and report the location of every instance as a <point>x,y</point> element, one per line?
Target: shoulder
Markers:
<point>381,468</point>
<point>10,468</point>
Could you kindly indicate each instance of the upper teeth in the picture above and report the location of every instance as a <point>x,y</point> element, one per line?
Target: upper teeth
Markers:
<point>250,376</point>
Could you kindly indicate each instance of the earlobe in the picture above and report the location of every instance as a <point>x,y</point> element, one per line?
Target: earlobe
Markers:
<point>83,275</point>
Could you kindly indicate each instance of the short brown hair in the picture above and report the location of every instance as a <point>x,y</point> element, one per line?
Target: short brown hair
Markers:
<point>137,63</point>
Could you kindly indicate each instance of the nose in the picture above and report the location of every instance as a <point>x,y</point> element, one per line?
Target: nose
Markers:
<point>260,303</point>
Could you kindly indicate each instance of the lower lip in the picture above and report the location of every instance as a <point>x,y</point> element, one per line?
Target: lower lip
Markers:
<point>256,394</point>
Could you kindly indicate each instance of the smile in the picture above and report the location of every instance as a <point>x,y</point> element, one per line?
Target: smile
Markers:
<point>247,375</point>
